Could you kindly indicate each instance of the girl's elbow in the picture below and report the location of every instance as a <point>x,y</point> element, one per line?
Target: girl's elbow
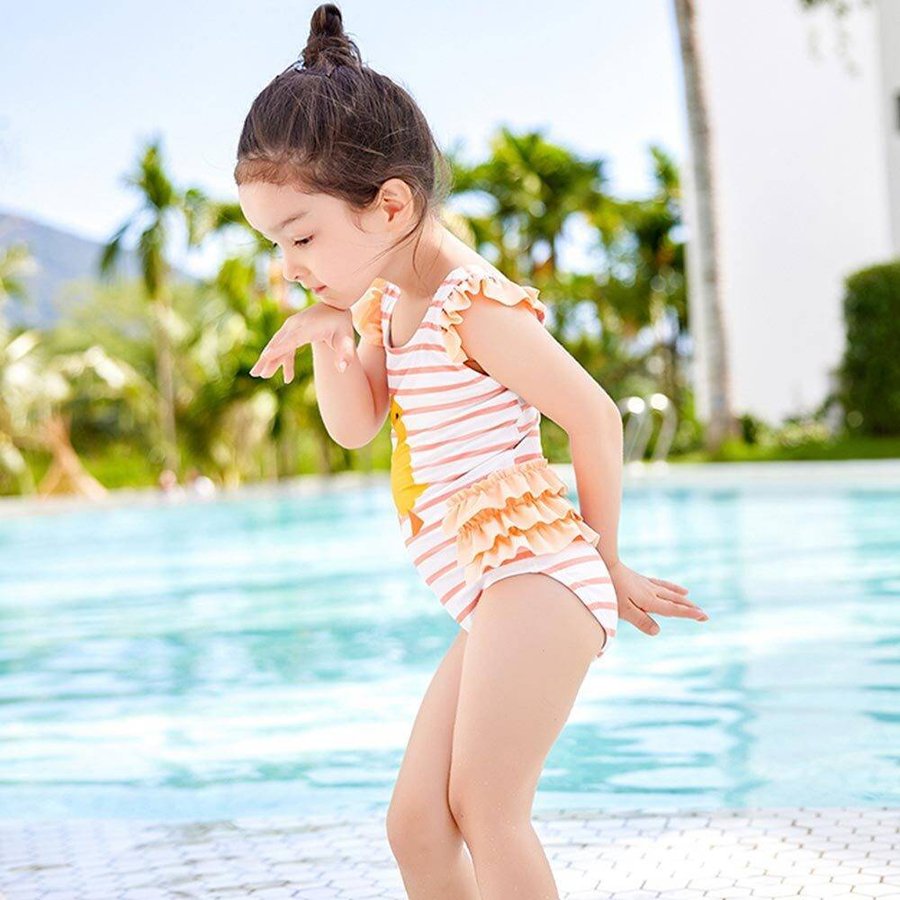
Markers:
<point>603,407</point>
<point>599,416</point>
<point>612,409</point>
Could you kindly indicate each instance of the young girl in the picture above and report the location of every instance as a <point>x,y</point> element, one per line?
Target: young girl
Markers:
<point>338,167</point>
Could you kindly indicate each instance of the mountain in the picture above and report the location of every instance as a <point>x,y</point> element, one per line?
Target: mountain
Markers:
<point>61,257</point>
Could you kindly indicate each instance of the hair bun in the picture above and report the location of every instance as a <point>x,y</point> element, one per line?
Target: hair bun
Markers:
<point>328,46</point>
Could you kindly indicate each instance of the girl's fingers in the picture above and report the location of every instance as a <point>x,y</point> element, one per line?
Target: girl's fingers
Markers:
<point>676,598</point>
<point>267,367</point>
<point>679,610</point>
<point>265,359</point>
<point>676,607</point>
<point>278,343</point>
<point>281,350</point>
<point>273,345</point>
<point>669,584</point>
<point>275,352</point>
<point>279,362</point>
<point>268,363</point>
<point>670,596</point>
<point>641,620</point>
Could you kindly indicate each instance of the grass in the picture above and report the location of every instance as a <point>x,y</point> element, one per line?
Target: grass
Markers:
<point>120,464</point>
<point>849,447</point>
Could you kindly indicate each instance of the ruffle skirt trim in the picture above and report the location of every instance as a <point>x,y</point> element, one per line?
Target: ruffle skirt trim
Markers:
<point>518,507</point>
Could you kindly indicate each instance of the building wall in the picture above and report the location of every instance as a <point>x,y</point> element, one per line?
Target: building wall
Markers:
<point>802,193</point>
<point>889,45</point>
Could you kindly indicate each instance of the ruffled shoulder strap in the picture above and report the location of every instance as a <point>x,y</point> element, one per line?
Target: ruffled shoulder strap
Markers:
<point>477,281</point>
<point>366,314</point>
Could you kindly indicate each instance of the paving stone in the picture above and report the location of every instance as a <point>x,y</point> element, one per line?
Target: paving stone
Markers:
<point>827,853</point>
<point>144,894</point>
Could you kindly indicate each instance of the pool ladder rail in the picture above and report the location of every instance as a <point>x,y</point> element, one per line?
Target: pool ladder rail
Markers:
<point>640,415</point>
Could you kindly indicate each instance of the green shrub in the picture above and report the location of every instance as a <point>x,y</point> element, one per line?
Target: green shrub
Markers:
<point>869,374</point>
<point>750,428</point>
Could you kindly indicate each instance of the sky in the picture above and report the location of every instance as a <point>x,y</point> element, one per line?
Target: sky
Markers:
<point>84,86</point>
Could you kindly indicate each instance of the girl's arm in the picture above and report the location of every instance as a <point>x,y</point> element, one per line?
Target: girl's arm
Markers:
<point>354,403</point>
<point>353,400</point>
<point>530,361</point>
<point>596,442</point>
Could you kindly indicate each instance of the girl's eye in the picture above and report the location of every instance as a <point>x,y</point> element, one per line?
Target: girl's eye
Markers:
<point>300,243</point>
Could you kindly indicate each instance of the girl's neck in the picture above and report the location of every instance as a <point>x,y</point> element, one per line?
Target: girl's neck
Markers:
<point>439,251</point>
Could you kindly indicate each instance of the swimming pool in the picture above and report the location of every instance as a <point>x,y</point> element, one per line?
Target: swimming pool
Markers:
<point>265,652</point>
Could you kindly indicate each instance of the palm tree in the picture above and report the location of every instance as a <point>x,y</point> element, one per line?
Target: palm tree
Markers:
<point>644,270</point>
<point>15,262</point>
<point>160,201</point>
<point>38,387</point>
<point>536,187</point>
<point>708,292</point>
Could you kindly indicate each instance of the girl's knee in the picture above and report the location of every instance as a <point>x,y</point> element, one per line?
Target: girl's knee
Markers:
<point>419,835</point>
<point>461,805</point>
<point>480,805</point>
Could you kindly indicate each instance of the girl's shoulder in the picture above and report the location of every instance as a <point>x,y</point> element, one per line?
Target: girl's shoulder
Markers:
<point>474,280</point>
<point>478,281</point>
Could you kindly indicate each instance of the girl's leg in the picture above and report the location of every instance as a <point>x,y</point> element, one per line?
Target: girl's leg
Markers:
<point>530,647</point>
<point>422,833</point>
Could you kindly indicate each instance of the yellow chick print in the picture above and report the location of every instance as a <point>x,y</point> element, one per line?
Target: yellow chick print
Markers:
<point>403,487</point>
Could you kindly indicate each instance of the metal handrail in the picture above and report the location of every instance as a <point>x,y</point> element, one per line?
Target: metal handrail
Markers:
<point>638,415</point>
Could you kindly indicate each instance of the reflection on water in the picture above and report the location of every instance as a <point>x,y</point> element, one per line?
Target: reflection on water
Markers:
<point>254,655</point>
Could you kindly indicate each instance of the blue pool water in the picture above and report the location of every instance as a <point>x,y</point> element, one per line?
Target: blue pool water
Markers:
<point>265,653</point>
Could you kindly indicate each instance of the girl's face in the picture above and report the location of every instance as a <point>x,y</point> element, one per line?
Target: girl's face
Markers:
<point>325,245</point>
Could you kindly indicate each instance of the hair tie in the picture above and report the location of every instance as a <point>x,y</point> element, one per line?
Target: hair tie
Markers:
<point>301,67</point>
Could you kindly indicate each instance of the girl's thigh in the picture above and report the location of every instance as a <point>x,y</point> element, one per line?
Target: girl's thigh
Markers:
<point>530,646</point>
<point>421,788</point>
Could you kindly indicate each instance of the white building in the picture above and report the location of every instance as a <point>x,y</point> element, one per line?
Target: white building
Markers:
<point>807,154</point>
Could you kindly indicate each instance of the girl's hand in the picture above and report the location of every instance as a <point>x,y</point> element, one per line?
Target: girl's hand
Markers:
<point>319,322</point>
<point>638,595</point>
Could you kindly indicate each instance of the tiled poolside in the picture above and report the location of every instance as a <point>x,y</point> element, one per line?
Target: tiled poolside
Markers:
<point>834,853</point>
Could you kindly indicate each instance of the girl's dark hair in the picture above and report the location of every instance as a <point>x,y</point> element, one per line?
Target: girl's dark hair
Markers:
<point>330,124</point>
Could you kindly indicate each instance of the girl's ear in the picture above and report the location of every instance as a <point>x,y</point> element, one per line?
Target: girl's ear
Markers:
<point>395,200</point>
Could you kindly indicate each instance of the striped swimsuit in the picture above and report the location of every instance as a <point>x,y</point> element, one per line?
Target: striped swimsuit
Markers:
<point>475,496</point>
